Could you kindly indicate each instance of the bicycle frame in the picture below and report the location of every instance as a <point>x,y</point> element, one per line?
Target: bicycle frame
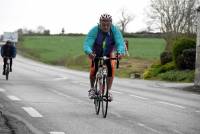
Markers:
<point>101,87</point>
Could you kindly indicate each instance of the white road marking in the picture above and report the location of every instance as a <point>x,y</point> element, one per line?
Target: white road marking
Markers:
<point>116,114</point>
<point>195,94</point>
<point>116,92</point>
<point>116,102</point>
<point>138,97</point>
<point>32,112</point>
<point>14,98</point>
<point>61,94</point>
<point>83,84</point>
<point>56,132</point>
<point>61,78</point>
<point>197,111</point>
<point>143,125</point>
<point>178,132</point>
<point>67,96</point>
<point>76,82</point>
<point>175,105</point>
<point>2,90</point>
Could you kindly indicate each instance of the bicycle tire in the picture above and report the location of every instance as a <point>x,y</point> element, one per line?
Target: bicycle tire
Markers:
<point>7,71</point>
<point>6,76</point>
<point>105,97</point>
<point>97,99</point>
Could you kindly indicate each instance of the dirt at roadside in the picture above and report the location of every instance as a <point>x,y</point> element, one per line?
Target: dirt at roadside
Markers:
<point>195,89</point>
<point>4,128</point>
<point>136,64</point>
<point>133,66</point>
<point>10,125</point>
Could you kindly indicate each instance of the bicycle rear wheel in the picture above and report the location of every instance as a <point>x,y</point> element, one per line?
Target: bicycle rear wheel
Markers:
<point>97,99</point>
<point>105,97</point>
<point>7,71</point>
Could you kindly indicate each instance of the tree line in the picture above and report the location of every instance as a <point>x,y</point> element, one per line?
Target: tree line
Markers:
<point>172,18</point>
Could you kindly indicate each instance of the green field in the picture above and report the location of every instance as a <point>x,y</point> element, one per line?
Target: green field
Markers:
<point>146,48</point>
<point>68,51</point>
<point>53,47</point>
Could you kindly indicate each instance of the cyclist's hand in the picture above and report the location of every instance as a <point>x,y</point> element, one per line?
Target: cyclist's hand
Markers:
<point>119,56</point>
<point>92,56</point>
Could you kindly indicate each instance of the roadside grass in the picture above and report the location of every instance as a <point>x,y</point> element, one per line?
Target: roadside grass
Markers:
<point>68,51</point>
<point>177,75</point>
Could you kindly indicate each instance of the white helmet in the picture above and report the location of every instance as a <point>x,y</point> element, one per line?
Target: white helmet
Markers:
<point>106,17</point>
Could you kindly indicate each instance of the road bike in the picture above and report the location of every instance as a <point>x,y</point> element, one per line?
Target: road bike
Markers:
<point>101,86</point>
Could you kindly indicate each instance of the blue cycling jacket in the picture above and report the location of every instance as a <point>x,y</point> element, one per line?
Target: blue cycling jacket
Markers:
<point>113,39</point>
<point>8,50</point>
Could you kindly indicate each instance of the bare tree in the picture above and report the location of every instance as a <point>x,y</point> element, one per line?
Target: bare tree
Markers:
<point>174,17</point>
<point>63,31</point>
<point>124,20</point>
<point>46,32</point>
<point>40,29</point>
<point>20,31</point>
<point>25,30</point>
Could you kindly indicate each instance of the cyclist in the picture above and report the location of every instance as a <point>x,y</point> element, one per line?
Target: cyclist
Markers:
<point>102,40</point>
<point>8,50</point>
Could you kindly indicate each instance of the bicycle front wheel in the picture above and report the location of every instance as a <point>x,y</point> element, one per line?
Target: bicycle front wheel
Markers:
<point>97,99</point>
<point>7,76</point>
<point>105,98</point>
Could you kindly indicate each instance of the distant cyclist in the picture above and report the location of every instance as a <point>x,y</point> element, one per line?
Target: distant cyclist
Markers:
<point>8,51</point>
<point>102,40</point>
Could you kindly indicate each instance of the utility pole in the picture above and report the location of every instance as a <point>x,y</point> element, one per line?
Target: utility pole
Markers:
<point>197,66</point>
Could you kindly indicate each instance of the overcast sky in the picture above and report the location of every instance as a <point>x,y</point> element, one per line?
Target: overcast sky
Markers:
<point>76,16</point>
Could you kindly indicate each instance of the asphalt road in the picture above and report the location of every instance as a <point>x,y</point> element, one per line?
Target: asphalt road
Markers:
<point>53,100</point>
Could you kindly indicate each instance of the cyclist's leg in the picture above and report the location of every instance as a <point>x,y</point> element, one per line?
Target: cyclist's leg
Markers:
<point>11,64</point>
<point>4,65</point>
<point>111,71</point>
<point>110,76</point>
<point>93,71</point>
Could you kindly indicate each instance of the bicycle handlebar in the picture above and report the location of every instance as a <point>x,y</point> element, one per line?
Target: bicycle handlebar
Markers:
<point>108,58</point>
<point>7,57</point>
